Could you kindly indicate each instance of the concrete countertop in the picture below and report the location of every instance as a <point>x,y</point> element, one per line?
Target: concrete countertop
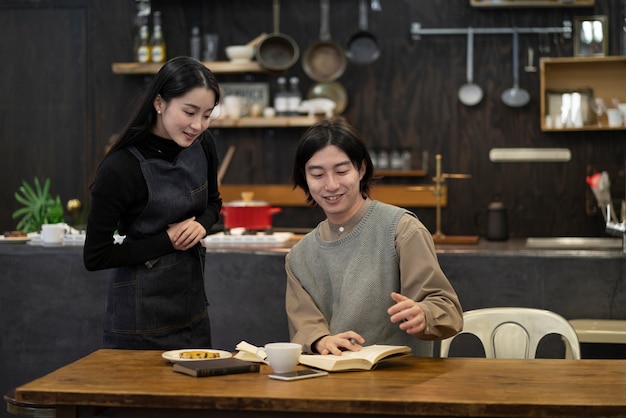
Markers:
<point>511,247</point>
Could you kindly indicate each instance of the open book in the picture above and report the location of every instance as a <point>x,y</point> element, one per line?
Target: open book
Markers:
<point>365,359</point>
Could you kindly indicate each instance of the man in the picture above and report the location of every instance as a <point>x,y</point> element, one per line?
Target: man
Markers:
<point>368,274</point>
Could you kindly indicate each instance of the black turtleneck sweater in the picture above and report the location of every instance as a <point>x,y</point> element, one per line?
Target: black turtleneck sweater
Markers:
<point>119,196</point>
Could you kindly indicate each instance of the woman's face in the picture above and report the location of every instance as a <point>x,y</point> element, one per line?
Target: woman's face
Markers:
<point>334,183</point>
<point>183,118</point>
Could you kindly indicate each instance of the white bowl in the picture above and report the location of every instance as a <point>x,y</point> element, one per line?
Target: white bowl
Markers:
<point>240,53</point>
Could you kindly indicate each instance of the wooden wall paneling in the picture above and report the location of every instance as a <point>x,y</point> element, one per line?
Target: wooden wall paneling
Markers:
<point>43,122</point>
<point>407,98</point>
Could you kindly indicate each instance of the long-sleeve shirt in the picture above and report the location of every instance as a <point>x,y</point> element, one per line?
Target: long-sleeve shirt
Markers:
<point>421,279</point>
<point>119,196</point>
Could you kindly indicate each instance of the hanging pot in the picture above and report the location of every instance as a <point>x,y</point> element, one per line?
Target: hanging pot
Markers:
<point>277,52</point>
<point>324,60</point>
<point>255,215</point>
<point>362,46</point>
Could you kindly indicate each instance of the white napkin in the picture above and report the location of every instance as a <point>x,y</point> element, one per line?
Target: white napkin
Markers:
<point>247,351</point>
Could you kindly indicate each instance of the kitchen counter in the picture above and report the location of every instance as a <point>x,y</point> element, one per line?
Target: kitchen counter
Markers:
<point>514,246</point>
<point>52,307</point>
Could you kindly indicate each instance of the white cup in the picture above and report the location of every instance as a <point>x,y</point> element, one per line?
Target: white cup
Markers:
<point>52,234</point>
<point>233,106</point>
<point>282,357</point>
<point>614,117</point>
<point>622,108</point>
<point>269,112</point>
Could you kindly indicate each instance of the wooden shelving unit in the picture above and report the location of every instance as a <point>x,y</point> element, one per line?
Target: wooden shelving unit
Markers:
<point>216,66</point>
<point>136,68</point>
<point>400,173</point>
<point>532,3</point>
<point>262,122</point>
<point>603,75</point>
<point>285,195</point>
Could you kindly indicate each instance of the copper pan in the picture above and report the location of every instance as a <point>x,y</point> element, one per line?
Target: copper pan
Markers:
<point>324,60</point>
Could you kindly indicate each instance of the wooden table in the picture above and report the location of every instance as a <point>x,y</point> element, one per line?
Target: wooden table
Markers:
<point>141,383</point>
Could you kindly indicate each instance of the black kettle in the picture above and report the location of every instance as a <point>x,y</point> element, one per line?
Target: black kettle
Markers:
<point>497,222</point>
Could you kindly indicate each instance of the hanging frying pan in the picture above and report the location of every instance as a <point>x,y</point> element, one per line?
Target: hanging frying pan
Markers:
<point>277,52</point>
<point>362,46</point>
<point>324,60</point>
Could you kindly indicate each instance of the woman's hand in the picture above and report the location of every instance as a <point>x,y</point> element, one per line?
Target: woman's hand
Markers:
<point>186,234</point>
<point>408,313</point>
<point>335,344</point>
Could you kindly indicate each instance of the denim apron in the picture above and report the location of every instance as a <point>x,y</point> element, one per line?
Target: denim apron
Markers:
<point>162,304</point>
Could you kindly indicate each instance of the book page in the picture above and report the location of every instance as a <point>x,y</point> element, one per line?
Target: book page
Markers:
<point>364,359</point>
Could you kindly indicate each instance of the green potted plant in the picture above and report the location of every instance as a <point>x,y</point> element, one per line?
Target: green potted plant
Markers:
<point>39,206</point>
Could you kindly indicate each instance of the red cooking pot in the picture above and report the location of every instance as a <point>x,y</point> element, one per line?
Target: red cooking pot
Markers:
<point>248,214</point>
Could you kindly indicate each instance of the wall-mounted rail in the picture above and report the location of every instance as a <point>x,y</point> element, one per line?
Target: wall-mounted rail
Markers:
<point>417,31</point>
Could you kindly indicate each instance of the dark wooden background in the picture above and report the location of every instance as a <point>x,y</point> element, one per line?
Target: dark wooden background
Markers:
<point>61,103</point>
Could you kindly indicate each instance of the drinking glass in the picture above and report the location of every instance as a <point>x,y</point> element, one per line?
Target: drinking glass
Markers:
<point>599,108</point>
<point>211,41</point>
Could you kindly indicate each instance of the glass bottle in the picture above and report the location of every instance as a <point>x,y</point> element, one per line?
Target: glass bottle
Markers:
<point>195,43</point>
<point>281,103</point>
<point>383,160</point>
<point>157,42</point>
<point>143,47</point>
<point>295,97</point>
<point>395,160</point>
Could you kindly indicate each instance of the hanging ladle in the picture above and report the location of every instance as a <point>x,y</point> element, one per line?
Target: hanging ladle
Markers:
<point>515,97</point>
<point>470,94</point>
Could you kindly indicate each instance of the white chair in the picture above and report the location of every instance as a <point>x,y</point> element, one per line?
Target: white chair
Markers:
<point>514,332</point>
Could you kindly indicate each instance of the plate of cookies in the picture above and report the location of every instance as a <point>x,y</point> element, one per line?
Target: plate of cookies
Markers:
<point>14,237</point>
<point>195,354</point>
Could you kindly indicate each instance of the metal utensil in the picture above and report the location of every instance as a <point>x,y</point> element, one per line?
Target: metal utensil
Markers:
<point>530,65</point>
<point>515,97</point>
<point>470,94</point>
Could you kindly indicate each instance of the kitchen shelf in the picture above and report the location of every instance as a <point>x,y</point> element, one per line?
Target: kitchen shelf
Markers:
<point>603,75</point>
<point>532,3</point>
<point>263,122</point>
<point>285,195</point>
<point>216,67</point>
<point>400,173</point>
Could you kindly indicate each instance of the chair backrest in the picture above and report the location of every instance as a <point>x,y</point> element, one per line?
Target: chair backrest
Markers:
<point>514,332</point>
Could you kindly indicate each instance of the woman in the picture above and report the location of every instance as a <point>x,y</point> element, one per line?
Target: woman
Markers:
<point>157,186</point>
<point>368,274</point>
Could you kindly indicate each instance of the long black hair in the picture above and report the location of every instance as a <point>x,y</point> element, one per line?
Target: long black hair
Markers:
<point>336,132</point>
<point>177,77</point>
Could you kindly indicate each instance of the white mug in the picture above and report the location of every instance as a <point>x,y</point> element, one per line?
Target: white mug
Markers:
<point>233,105</point>
<point>52,234</point>
<point>282,357</point>
<point>614,117</point>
